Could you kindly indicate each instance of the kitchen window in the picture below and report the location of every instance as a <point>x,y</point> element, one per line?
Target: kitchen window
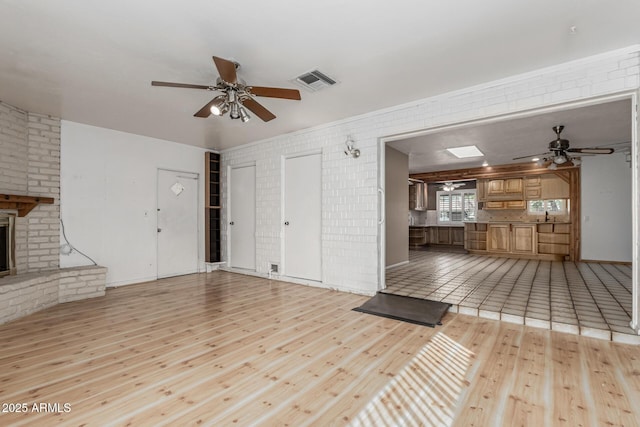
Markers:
<point>457,206</point>
<point>550,206</point>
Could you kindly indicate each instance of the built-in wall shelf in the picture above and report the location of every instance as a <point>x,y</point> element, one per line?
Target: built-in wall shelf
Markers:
<point>23,204</point>
<point>212,214</point>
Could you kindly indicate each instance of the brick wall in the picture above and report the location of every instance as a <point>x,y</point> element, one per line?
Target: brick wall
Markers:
<point>349,189</point>
<point>30,165</point>
<point>24,294</point>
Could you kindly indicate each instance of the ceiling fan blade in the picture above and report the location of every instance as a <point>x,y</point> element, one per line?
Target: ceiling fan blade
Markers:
<point>183,85</point>
<point>275,92</point>
<point>205,111</point>
<point>591,150</point>
<point>531,155</point>
<point>258,109</point>
<point>226,69</point>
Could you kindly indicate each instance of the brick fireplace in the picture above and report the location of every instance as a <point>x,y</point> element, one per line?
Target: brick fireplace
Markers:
<point>7,244</point>
<point>30,165</point>
<point>30,274</point>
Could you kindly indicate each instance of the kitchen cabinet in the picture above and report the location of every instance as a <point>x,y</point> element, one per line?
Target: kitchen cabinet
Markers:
<point>507,204</point>
<point>523,238</point>
<point>554,187</point>
<point>546,241</point>
<point>512,238</point>
<point>443,236</point>
<point>510,188</point>
<point>532,188</point>
<point>436,235</point>
<point>498,238</point>
<point>418,236</point>
<point>457,235</point>
<point>495,187</point>
<point>475,236</point>
<point>212,247</point>
<point>481,191</point>
<point>554,238</point>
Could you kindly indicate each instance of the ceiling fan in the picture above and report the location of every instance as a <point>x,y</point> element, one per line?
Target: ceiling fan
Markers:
<point>236,95</point>
<point>559,150</point>
<point>450,186</point>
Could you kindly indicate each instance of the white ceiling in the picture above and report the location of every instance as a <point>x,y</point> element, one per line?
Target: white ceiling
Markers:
<point>92,61</point>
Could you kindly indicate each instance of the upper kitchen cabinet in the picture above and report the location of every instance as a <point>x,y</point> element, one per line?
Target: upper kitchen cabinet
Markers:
<point>554,187</point>
<point>510,188</point>
<point>532,188</point>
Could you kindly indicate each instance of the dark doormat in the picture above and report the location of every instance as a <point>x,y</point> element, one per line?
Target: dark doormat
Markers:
<point>408,309</point>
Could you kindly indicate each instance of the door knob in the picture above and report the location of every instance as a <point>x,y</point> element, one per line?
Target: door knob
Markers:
<point>159,230</point>
<point>231,223</point>
<point>286,223</point>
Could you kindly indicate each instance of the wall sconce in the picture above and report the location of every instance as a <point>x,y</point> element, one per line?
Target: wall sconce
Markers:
<point>351,151</point>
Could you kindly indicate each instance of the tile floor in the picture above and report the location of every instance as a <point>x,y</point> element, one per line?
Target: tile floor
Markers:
<point>591,299</point>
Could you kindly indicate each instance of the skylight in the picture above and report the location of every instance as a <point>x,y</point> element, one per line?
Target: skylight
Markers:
<point>466,151</point>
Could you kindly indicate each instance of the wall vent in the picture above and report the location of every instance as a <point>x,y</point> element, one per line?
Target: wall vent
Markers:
<point>314,80</point>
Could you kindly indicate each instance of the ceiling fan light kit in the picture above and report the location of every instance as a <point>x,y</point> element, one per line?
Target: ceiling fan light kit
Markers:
<point>450,185</point>
<point>237,96</point>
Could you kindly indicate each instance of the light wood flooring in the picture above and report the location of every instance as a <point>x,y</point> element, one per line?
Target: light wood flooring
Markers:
<point>227,349</point>
<point>591,299</point>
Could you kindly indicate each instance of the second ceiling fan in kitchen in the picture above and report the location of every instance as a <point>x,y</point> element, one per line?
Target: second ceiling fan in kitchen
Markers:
<point>236,96</point>
<point>560,152</point>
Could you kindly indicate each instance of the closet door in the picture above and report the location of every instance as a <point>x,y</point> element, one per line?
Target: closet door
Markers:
<point>242,218</point>
<point>302,221</point>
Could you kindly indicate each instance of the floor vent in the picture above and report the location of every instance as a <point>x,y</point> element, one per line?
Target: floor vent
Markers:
<point>315,80</point>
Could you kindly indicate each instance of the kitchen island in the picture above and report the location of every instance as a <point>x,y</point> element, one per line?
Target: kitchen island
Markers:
<point>534,240</point>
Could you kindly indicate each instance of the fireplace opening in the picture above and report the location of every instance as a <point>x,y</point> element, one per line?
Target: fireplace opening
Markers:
<point>7,244</point>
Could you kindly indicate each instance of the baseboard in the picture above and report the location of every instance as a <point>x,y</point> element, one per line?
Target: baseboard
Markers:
<point>607,262</point>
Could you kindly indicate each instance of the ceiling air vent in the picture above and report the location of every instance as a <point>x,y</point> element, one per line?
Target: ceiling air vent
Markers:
<point>314,80</point>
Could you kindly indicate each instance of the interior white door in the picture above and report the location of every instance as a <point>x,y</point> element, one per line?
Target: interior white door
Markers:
<point>177,223</point>
<point>303,217</point>
<point>242,218</point>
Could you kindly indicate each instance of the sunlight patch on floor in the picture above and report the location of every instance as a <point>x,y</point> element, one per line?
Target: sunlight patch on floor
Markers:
<point>425,391</point>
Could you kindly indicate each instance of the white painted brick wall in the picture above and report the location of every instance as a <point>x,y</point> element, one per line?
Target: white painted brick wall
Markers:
<point>44,180</point>
<point>81,283</point>
<point>349,199</point>
<point>30,164</point>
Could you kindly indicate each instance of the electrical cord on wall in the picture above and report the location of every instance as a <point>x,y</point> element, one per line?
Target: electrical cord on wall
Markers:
<point>70,247</point>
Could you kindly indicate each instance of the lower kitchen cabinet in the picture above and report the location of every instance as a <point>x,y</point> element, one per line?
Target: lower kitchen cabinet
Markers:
<point>523,238</point>
<point>444,235</point>
<point>436,235</point>
<point>418,236</point>
<point>554,238</point>
<point>546,241</point>
<point>498,238</point>
<point>475,236</point>
<point>512,238</point>
<point>457,235</point>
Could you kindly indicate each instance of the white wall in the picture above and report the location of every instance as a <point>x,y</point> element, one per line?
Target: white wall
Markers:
<point>352,240</point>
<point>606,208</point>
<point>109,198</point>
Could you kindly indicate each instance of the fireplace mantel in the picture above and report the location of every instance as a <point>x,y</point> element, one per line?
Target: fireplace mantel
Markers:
<point>23,204</point>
